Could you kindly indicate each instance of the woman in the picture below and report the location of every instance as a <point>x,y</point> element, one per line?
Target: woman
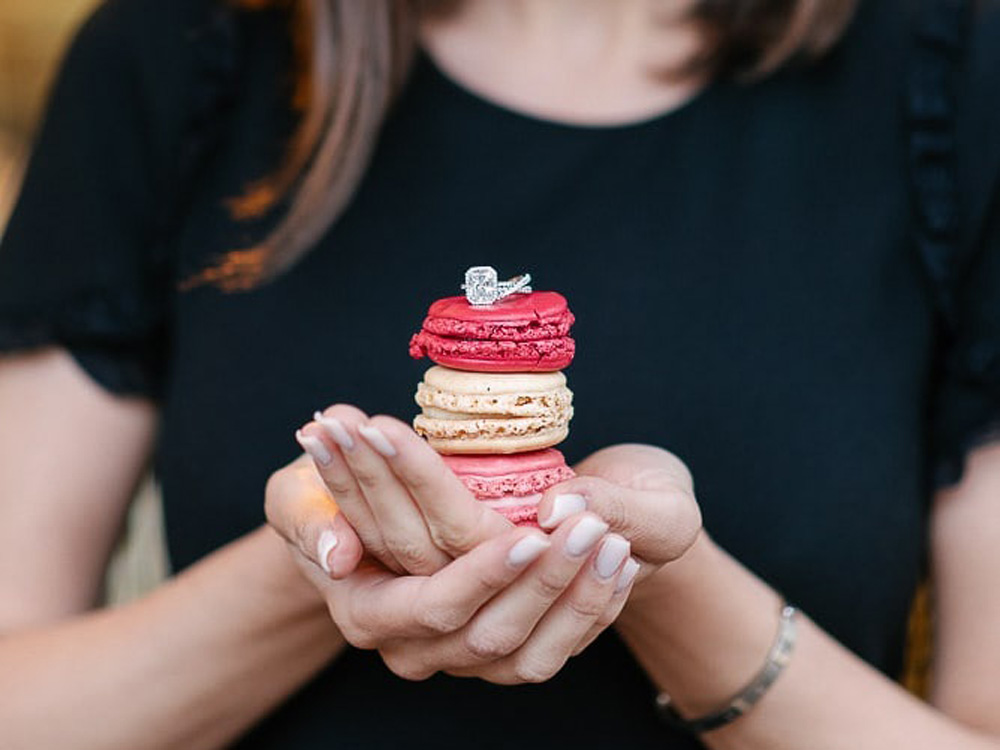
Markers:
<point>791,283</point>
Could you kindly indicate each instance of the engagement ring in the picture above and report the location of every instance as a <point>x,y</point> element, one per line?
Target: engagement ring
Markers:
<point>482,287</point>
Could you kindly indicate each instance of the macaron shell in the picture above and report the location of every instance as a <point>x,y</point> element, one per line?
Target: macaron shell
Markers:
<point>464,438</point>
<point>537,355</point>
<point>502,466</point>
<point>517,309</point>
<point>505,476</point>
<point>501,404</point>
<point>553,327</point>
<point>521,515</point>
<point>505,395</point>
<point>475,383</point>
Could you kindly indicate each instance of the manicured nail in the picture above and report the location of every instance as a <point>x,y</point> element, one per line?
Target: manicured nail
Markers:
<point>315,448</point>
<point>627,575</point>
<point>335,429</point>
<point>377,440</point>
<point>527,550</point>
<point>610,557</point>
<point>327,541</point>
<point>564,506</point>
<point>584,536</point>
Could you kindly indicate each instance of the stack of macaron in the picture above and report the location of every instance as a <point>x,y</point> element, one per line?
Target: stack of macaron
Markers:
<point>496,401</point>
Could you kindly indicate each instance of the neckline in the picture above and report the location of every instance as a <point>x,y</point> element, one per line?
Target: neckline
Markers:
<point>673,113</point>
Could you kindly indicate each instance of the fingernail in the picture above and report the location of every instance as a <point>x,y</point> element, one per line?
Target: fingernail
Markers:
<point>315,448</point>
<point>327,541</point>
<point>627,575</point>
<point>584,536</point>
<point>527,550</point>
<point>336,430</point>
<point>610,557</point>
<point>377,440</point>
<point>564,506</point>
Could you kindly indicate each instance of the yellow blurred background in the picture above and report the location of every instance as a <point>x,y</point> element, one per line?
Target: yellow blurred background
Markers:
<point>33,35</point>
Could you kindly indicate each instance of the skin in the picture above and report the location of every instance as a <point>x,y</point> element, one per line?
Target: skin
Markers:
<point>504,629</point>
<point>234,635</point>
<point>240,631</point>
<point>678,619</point>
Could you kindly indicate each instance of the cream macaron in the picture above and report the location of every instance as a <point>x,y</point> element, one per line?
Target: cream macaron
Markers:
<point>483,412</point>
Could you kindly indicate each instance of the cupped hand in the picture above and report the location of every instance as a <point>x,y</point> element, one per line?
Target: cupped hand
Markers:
<point>409,509</point>
<point>644,493</point>
<point>511,610</point>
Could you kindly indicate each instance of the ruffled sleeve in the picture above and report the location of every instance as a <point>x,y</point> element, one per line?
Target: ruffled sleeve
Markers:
<point>966,408</point>
<point>84,262</point>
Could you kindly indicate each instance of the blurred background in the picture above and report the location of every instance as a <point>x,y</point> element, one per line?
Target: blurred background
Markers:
<point>33,37</point>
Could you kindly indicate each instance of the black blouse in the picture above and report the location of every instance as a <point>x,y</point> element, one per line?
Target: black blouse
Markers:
<point>793,285</point>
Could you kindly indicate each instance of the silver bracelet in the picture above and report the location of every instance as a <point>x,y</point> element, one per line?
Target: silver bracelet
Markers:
<point>777,659</point>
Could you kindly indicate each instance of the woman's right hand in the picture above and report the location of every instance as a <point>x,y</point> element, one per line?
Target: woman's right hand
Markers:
<point>511,610</point>
<point>384,478</point>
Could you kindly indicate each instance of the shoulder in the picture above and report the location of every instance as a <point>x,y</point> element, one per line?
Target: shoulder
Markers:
<point>164,48</point>
<point>172,71</point>
<point>151,42</point>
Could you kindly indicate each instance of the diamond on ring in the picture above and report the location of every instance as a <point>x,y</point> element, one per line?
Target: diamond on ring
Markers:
<point>482,287</point>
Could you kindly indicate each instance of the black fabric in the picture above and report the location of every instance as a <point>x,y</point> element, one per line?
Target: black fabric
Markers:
<point>748,277</point>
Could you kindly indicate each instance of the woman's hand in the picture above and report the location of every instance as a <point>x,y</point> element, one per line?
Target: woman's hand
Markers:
<point>511,610</point>
<point>644,493</point>
<point>410,511</point>
<point>414,515</point>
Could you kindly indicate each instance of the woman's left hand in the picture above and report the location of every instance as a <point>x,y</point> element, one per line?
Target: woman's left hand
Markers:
<point>644,493</point>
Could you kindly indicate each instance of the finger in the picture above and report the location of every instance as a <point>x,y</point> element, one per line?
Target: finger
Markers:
<point>623,587</point>
<point>399,520</point>
<point>568,621</point>
<point>336,475</point>
<point>504,624</point>
<point>428,606</point>
<point>457,522</point>
<point>299,507</point>
<point>661,524</point>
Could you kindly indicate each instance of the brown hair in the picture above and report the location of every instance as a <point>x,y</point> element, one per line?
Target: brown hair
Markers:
<point>354,56</point>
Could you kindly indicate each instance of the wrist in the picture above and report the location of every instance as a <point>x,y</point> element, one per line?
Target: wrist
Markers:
<point>279,577</point>
<point>702,626</point>
<point>679,578</point>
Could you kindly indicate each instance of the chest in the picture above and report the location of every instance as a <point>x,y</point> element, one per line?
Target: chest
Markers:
<point>745,292</point>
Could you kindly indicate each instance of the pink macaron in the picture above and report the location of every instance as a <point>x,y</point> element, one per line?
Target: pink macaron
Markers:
<point>520,333</point>
<point>512,484</point>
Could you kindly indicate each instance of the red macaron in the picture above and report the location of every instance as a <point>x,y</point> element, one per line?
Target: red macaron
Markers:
<point>519,333</point>
<point>512,484</point>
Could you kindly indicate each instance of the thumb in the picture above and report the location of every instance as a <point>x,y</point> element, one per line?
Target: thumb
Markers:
<point>660,523</point>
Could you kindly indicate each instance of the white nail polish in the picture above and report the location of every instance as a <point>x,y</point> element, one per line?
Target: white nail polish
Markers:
<point>627,575</point>
<point>610,557</point>
<point>564,506</point>
<point>584,536</point>
<point>335,429</point>
<point>527,550</point>
<point>377,440</point>
<point>327,541</point>
<point>315,448</point>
